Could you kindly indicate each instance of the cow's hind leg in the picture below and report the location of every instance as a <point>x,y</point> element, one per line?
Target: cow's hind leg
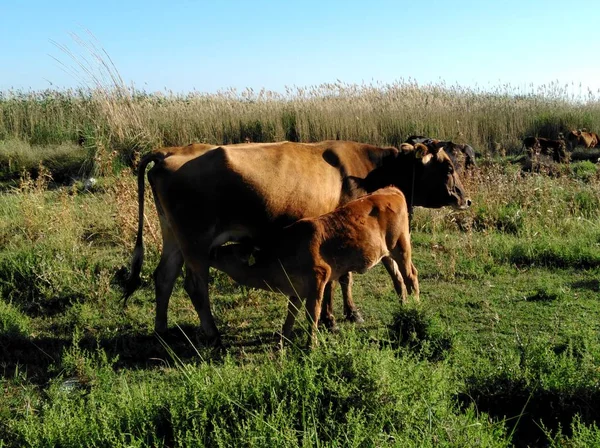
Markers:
<point>165,275</point>
<point>167,271</point>
<point>196,285</point>
<point>350,311</point>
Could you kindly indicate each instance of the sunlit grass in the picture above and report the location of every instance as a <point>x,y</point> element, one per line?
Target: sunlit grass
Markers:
<point>506,331</point>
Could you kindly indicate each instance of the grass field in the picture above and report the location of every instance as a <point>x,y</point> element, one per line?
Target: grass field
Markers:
<point>504,348</point>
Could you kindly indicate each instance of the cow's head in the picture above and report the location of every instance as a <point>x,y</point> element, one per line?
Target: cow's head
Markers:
<point>436,182</point>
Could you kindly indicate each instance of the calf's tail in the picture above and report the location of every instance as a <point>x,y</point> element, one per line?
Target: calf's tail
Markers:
<point>134,281</point>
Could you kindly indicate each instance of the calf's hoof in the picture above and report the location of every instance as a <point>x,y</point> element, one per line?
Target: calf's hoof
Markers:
<point>355,316</point>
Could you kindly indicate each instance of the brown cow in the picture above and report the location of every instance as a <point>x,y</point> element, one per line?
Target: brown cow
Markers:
<point>307,255</point>
<point>529,143</point>
<point>557,149</point>
<point>206,196</point>
<point>582,138</point>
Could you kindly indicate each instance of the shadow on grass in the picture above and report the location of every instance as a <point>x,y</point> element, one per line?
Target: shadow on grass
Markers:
<point>542,295</point>
<point>50,307</point>
<point>527,409</point>
<point>40,357</point>
<point>412,330</point>
<point>592,285</point>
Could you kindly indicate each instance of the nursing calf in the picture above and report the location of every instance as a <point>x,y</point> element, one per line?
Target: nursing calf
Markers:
<point>303,258</point>
<point>208,195</point>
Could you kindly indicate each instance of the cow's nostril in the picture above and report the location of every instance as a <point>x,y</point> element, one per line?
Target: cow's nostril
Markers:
<point>468,202</point>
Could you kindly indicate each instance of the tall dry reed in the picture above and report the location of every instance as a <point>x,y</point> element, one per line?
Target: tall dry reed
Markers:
<point>127,119</point>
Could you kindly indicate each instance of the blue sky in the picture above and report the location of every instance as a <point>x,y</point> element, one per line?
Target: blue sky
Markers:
<point>211,45</point>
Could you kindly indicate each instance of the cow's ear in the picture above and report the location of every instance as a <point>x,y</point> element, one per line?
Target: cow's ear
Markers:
<point>421,150</point>
<point>435,146</point>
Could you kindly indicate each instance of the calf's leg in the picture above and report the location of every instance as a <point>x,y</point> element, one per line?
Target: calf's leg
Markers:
<point>327,318</point>
<point>350,311</point>
<point>402,255</point>
<point>392,268</point>
<point>313,303</point>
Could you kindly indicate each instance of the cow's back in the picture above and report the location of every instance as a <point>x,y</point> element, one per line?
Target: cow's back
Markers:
<point>233,191</point>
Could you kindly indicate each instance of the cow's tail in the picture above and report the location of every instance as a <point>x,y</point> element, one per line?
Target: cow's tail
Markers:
<point>134,281</point>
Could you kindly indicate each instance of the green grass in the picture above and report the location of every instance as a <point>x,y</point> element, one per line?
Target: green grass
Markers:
<point>502,350</point>
<point>64,161</point>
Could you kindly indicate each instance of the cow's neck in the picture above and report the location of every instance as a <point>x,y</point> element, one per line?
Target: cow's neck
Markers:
<point>399,170</point>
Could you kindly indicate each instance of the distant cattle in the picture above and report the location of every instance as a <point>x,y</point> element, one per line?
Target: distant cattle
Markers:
<point>462,155</point>
<point>209,195</point>
<point>529,142</point>
<point>557,149</point>
<point>414,139</point>
<point>582,138</point>
<point>301,259</point>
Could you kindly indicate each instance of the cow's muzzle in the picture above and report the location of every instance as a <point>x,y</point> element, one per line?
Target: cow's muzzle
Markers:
<point>462,205</point>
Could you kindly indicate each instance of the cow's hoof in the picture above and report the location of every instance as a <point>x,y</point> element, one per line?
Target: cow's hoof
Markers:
<point>355,316</point>
<point>214,342</point>
<point>209,341</point>
<point>161,329</point>
<point>330,324</point>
